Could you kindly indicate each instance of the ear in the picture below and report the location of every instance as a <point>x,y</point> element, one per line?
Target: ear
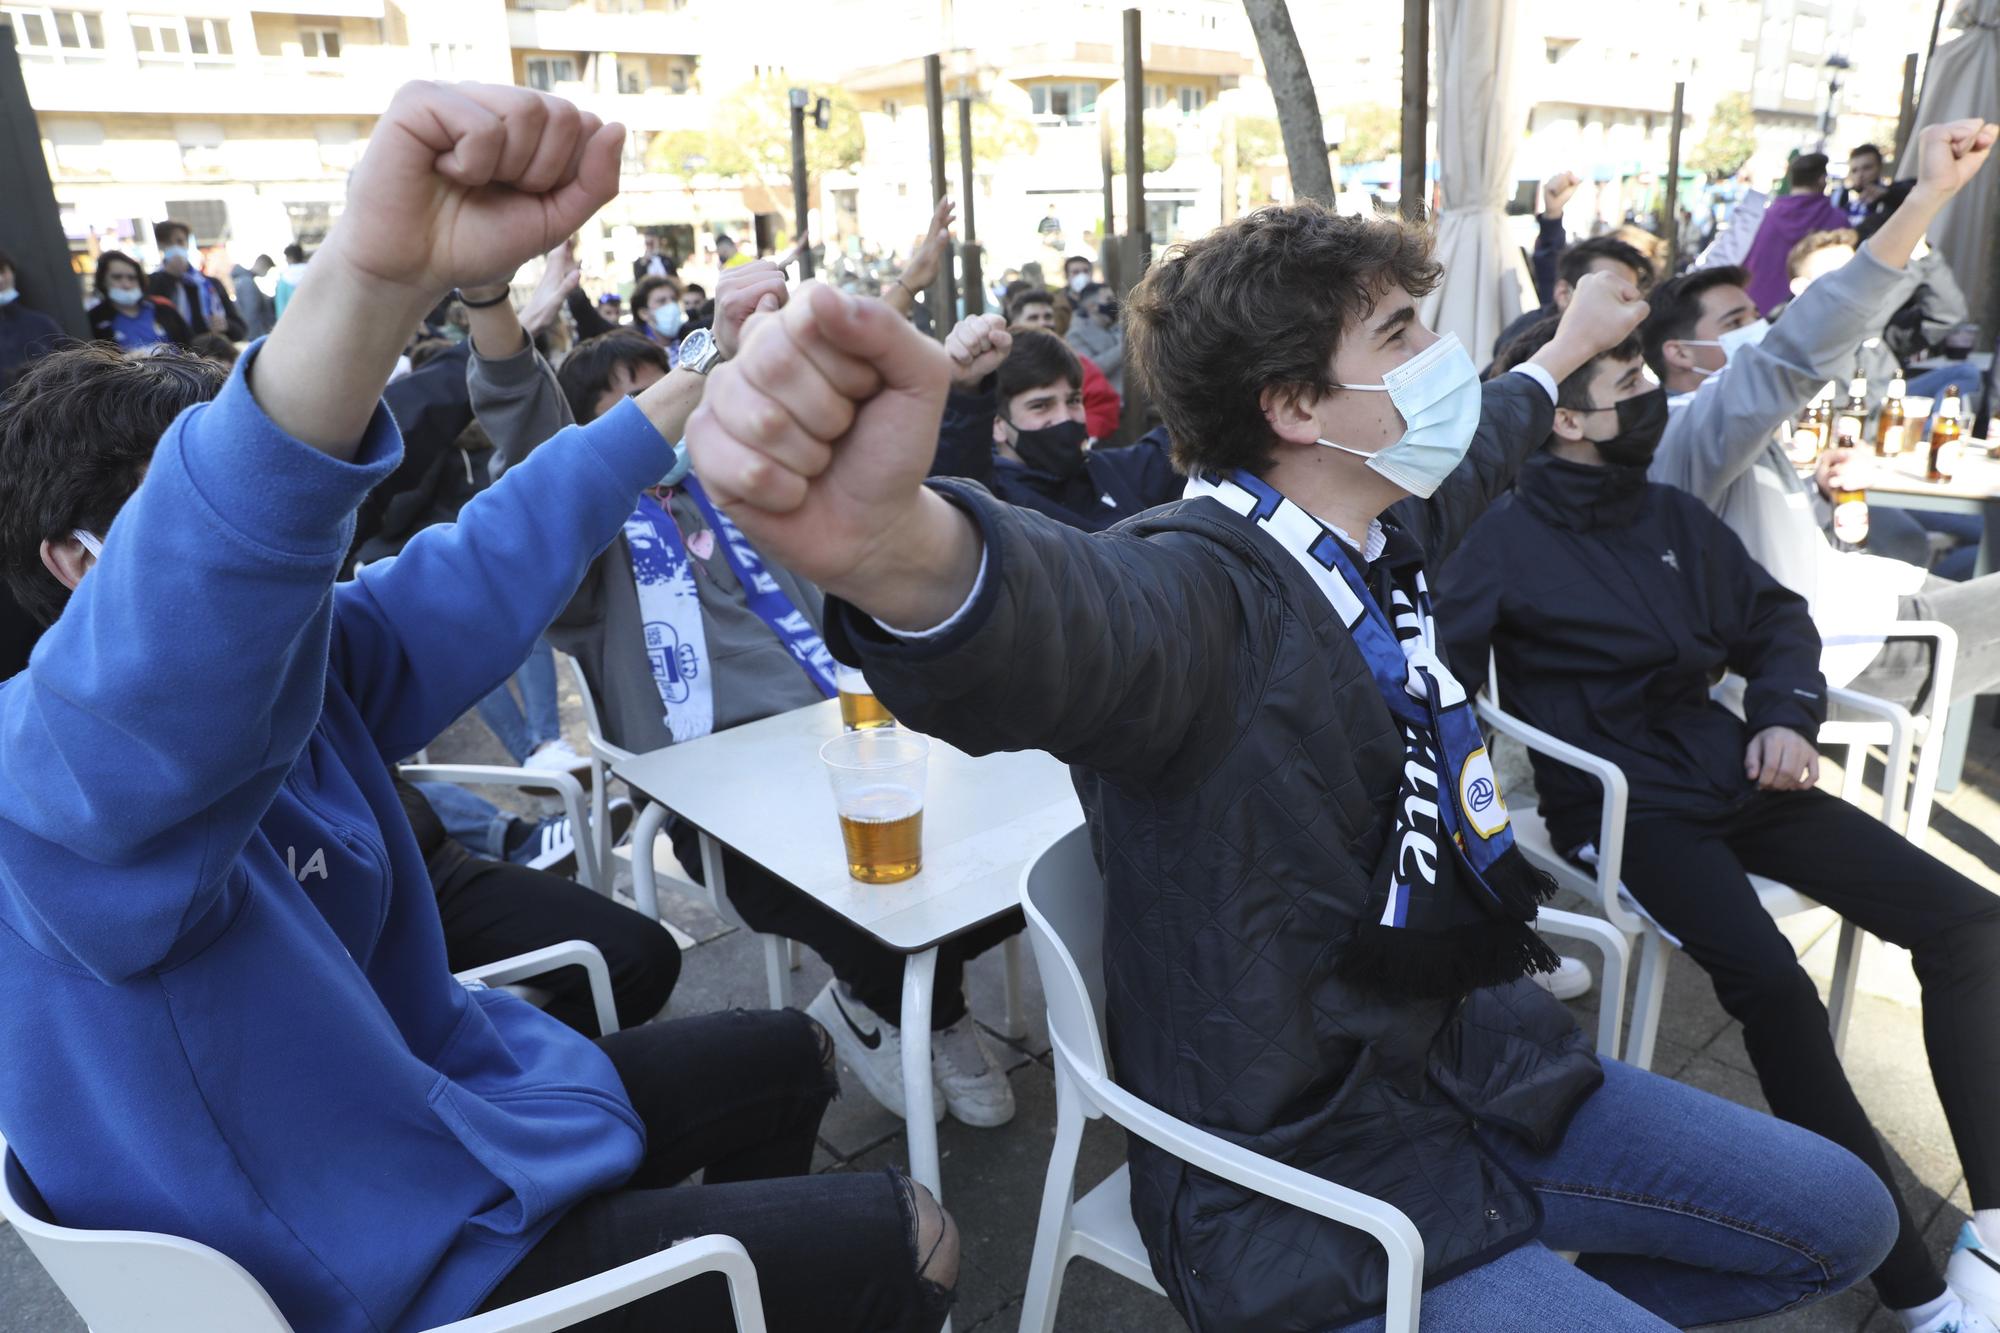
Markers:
<point>1568,424</point>
<point>1288,411</point>
<point>1677,354</point>
<point>999,429</point>
<point>67,561</point>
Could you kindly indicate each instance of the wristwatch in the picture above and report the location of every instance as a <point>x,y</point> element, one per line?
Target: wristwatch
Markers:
<point>700,352</point>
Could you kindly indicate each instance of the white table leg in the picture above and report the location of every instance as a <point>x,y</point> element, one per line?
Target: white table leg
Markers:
<point>919,1101</point>
<point>776,979</point>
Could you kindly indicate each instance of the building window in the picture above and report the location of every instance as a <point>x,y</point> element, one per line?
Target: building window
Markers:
<point>55,35</point>
<point>1156,96</point>
<point>320,43</point>
<point>891,108</point>
<point>633,76</point>
<point>677,78</point>
<point>185,40</point>
<point>208,219</point>
<point>1193,100</point>
<point>1555,48</point>
<point>1065,103</point>
<point>545,72</point>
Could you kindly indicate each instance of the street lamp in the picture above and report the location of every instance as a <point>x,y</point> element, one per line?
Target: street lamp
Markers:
<point>821,114</point>
<point>1836,63</point>
<point>964,67</point>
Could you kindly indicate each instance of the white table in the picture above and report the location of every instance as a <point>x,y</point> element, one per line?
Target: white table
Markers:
<point>761,789</point>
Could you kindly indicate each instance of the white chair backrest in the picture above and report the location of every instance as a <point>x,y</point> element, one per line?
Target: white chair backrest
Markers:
<point>1063,897</point>
<point>593,725</point>
<point>136,1281</point>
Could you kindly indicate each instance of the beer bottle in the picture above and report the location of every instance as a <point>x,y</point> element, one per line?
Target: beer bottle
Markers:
<point>1894,422</point>
<point>1850,508</point>
<point>1853,414</point>
<point>1944,438</point>
<point>1811,436</point>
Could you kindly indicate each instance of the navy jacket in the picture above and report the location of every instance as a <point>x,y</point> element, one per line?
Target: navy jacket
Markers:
<point>1114,485</point>
<point>24,335</point>
<point>1612,604</point>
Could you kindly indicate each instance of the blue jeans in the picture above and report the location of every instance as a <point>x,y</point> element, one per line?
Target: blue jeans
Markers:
<point>469,818</point>
<point>1933,383</point>
<point>1687,1209</point>
<point>521,734</point>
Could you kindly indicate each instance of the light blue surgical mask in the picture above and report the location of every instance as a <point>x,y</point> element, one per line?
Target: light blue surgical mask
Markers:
<point>669,318</point>
<point>1731,342</point>
<point>7,297</point>
<point>1437,391</point>
<point>173,252</point>
<point>126,296</point>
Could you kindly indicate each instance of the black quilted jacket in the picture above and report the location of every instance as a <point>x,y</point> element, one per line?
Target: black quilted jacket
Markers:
<point>1237,765</point>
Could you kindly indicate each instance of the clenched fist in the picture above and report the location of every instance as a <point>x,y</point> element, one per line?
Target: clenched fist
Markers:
<point>976,348</point>
<point>817,437</point>
<point>462,183</point>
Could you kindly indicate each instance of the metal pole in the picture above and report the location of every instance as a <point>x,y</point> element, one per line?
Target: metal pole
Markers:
<point>1416,102</point>
<point>1670,225</point>
<point>1107,249</point>
<point>975,286</point>
<point>1140,241</point>
<point>945,293</point>
<point>799,237</point>
<point>1906,113</point>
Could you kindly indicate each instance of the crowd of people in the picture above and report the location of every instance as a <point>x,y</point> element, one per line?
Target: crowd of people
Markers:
<point>1239,548</point>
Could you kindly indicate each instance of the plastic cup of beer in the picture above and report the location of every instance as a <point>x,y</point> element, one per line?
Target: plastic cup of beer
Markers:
<point>878,789</point>
<point>859,708</point>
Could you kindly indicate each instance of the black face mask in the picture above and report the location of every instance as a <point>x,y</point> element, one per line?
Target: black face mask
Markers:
<point>1056,450</point>
<point>1641,423</point>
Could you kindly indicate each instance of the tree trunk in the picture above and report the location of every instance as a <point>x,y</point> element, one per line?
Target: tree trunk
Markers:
<point>1292,90</point>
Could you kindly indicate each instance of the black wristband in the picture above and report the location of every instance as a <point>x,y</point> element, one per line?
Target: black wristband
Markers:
<point>469,304</point>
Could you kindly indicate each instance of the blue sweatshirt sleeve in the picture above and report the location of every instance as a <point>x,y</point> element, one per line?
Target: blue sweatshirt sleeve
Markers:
<point>423,637</point>
<point>160,712</point>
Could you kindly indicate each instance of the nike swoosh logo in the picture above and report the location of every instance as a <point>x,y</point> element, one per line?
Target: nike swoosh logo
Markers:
<point>871,1040</point>
<point>1981,1256</point>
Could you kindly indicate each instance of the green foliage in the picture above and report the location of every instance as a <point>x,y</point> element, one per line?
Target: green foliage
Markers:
<point>997,133</point>
<point>1374,132</point>
<point>750,136</point>
<point>1162,144</point>
<point>1729,140</point>
<point>1258,140</point>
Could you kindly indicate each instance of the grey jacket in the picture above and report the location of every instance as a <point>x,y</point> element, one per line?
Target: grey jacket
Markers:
<point>518,402</point>
<point>1104,346</point>
<point>1721,442</point>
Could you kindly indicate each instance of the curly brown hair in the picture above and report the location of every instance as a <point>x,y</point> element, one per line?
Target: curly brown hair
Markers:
<point>1260,303</point>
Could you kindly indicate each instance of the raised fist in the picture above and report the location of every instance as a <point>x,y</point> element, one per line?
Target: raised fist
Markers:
<point>977,347</point>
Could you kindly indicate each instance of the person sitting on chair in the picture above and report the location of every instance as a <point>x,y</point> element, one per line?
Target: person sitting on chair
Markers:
<point>1610,603</point>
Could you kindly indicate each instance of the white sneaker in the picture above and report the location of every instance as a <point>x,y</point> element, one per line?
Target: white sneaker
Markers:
<point>870,1045</point>
<point>556,756</point>
<point>1950,1313</point>
<point>970,1081</point>
<point>1973,1272</point>
<point>1571,980</point>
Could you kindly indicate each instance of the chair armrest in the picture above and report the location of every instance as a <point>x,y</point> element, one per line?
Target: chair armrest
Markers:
<point>1611,942</point>
<point>1944,655</point>
<point>571,953</point>
<point>626,1283</point>
<point>1267,1176</point>
<point>525,779</point>
<point>1610,821</point>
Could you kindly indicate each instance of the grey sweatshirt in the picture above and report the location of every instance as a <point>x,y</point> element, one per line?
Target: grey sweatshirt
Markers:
<point>518,402</point>
<point>1721,445</point>
<point>1104,346</point>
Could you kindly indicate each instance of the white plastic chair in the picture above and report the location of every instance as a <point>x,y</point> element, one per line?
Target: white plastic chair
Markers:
<point>1927,730</point>
<point>1603,885</point>
<point>147,1282</point>
<point>563,785</point>
<point>1063,897</point>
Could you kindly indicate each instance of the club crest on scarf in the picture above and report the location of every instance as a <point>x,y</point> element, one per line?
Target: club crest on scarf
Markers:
<point>1452,903</point>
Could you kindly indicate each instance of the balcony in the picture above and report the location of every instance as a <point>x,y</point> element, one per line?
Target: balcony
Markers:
<point>654,111</point>
<point>582,28</point>
<point>359,83</point>
<point>346,9</point>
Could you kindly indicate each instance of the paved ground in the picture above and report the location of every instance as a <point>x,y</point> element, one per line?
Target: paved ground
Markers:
<point>993,1178</point>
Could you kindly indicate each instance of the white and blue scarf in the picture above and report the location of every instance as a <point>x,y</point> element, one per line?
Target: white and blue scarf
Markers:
<point>1452,903</point>
<point>670,607</point>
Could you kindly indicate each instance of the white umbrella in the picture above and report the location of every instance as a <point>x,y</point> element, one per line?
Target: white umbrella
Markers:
<point>1478,124</point>
<point>1964,81</point>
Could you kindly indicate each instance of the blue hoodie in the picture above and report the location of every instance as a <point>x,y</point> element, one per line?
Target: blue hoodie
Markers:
<point>225,1011</point>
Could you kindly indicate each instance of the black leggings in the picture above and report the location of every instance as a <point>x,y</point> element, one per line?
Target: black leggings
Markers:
<point>1691,876</point>
<point>738,1096</point>
<point>495,909</point>
<point>871,969</point>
